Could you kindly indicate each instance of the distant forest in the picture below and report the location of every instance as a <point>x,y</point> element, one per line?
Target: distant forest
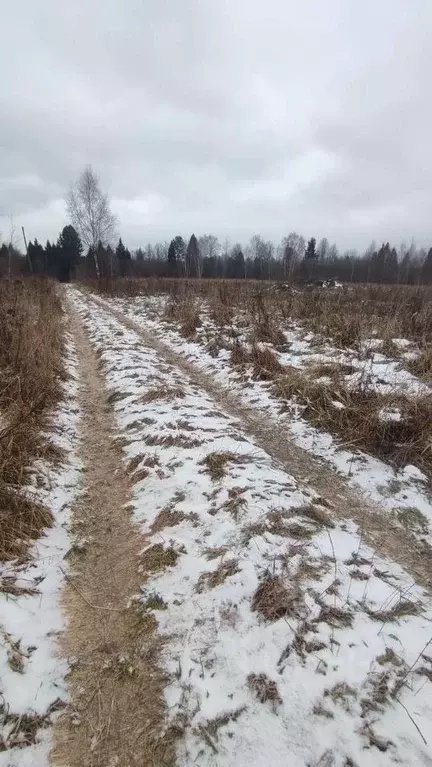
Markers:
<point>293,259</point>
<point>84,249</point>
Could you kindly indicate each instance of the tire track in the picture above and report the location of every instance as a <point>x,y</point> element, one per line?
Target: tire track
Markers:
<point>345,501</point>
<point>116,711</point>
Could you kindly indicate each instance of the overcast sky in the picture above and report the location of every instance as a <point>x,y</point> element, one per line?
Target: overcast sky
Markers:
<point>232,117</point>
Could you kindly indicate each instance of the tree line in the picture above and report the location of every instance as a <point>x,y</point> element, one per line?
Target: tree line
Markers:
<point>85,249</point>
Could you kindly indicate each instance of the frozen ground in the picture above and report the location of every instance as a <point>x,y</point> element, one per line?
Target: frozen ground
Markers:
<point>287,638</point>
<point>398,490</point>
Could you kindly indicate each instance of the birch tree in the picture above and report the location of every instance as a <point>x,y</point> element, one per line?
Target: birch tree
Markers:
<point>89,211</point>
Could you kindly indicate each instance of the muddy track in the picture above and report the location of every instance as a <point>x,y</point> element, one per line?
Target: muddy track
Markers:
<point>116,708</point>
<point>344,500</point>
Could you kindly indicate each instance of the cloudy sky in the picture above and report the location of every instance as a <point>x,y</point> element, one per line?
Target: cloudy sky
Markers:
<point>227,116</point>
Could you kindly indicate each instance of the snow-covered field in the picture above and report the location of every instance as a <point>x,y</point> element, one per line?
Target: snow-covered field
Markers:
<point>32,675</point>
<point>400,490</point>
<point>288,639</point>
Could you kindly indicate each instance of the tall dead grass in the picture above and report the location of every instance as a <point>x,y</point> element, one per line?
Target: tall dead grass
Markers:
<point>31,369</point>
<point>349,317</point>
<point>394,427</point>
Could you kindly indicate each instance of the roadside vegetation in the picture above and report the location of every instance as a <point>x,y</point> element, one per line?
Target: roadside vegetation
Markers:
<point>358,341</point>
<point>31,341</point>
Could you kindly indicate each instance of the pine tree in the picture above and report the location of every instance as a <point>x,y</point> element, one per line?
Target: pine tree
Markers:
<point>193,258</point>
<point>36,257</point>
<point>70,247</point>
<point>310,257</point>
<point>172,259</point>
<point>120,250</point>
<point>384,265</point>
<point>123,257</point>
<point>310,253</point>
<point>4,260</point>
<point>236,263</point>
<point>53,260</point>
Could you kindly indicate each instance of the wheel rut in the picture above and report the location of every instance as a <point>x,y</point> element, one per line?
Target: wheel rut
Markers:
<point>116,711</point>
<point>344,500</point>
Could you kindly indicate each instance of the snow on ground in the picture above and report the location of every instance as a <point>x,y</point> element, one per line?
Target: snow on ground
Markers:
<point>32,676</point>
<point>396,490</point>
<point>288,641</point>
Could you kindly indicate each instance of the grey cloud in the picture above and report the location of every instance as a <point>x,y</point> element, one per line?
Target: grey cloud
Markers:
<point>229,115</point>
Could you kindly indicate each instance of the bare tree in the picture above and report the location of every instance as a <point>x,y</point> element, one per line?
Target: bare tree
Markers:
<point>209,246</point>
<point>323,249</point>
<point>89,211</point>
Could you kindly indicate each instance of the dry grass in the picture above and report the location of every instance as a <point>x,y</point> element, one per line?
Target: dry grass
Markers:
<point>9,586</point>
<point>216,463</point>
<point>215,552</point>
<point>23,730</point>
<point>22,520</point>
<point>315,514</point>
<point>210,729</point>
<point>389,656</point>
<point>163,394</point>
<point>135,462</point>
<point>412,519</point>
<point>239,354</point>
<point>184,309</point>
<point>293,383</point>
<point>190,323</point>
<point>283,522</point>
<point>158,557</point>
<point>265,363</point>
<point>279,522</point>
<point>221,311</point>
<point>31,345</point>
<point>334,616</point>
<point>332,370</point>
<point>422,365</point>
<point>346,315</point>
<point>264,688</point>
<point>275,599</point>
<point>172,440</point>
<point>357,417</point>
<point>167,517</point>
<point>320,710</point>
<point>341,693</point>
<point>218,576</point>
<point>404,608</point>
<point>349,317</point>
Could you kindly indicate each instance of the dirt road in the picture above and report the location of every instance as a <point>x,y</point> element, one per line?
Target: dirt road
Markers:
<point>344,501</point>
<point>115,685</point>
<point>182,432</point>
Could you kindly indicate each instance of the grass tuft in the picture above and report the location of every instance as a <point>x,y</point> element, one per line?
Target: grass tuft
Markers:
<point>218,576</point>
<point>158,557</point>
<point>275,599</point>
<point>216,463</point>
<point>264,688</point>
